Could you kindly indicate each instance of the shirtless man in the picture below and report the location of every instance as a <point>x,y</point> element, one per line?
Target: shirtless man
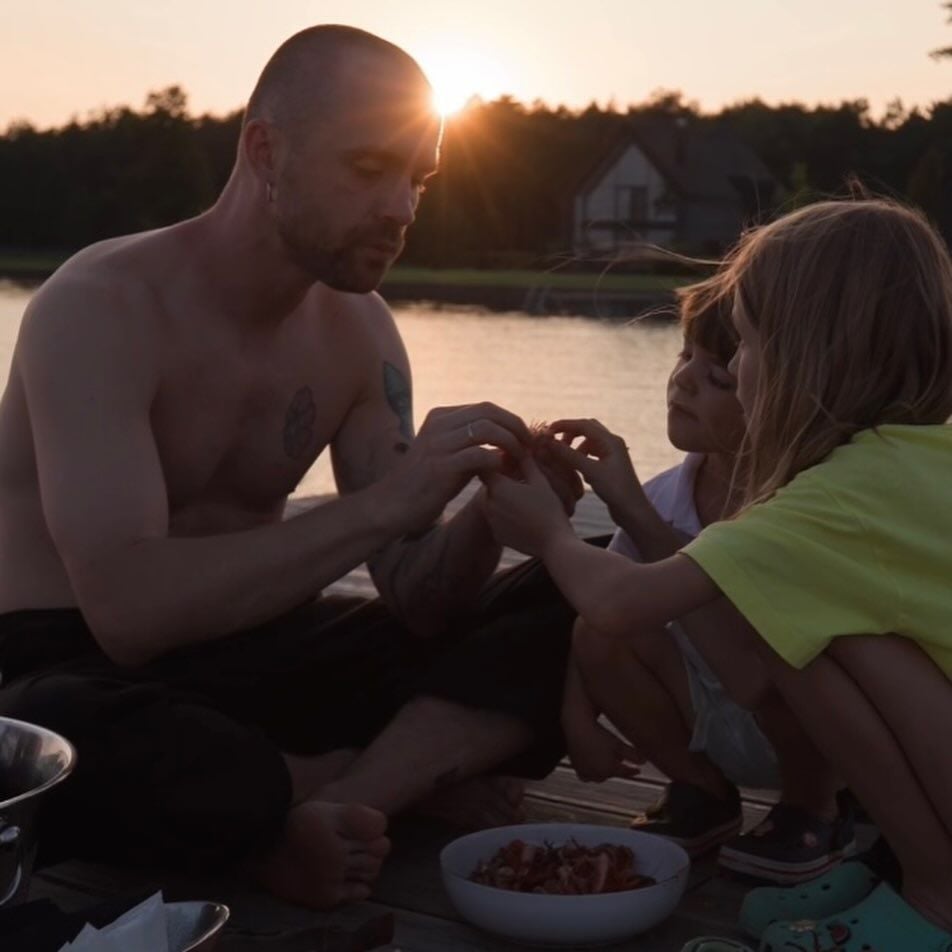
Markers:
<point>168,391</point>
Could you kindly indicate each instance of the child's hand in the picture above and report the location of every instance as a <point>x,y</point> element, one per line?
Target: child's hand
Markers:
<point>601,457</point>
<point>597,754</point>
<point>562,476</point>
<point>524,515</point>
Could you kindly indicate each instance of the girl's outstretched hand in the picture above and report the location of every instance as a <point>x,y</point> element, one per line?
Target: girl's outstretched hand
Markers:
<point>525,514</point>
<point>562,477</point>
<point>601,457</point>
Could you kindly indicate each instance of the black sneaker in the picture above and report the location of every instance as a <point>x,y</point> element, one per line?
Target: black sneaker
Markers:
<point>691,817</point>
<point>789,846</point>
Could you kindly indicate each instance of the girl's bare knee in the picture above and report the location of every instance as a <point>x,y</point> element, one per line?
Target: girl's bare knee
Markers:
<point>745,677</point>
<point>593,648</point>
<point>750,692</point>
<point>864,651</point>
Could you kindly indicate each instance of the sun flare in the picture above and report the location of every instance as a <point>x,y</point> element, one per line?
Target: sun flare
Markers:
<point>458,73</point>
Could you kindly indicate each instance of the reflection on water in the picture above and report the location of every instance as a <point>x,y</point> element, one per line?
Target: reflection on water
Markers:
<point>543,368</point>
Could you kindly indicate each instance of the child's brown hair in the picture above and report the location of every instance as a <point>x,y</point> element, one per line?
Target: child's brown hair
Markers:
<point>705,314</point>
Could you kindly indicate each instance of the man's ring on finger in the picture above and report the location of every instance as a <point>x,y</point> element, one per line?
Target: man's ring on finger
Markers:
<point>470,433</point>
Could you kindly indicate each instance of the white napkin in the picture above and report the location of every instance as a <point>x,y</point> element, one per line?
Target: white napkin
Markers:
<point>140,929</point>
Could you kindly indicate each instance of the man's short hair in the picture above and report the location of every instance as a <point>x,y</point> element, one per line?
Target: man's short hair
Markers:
<point>299,79</point>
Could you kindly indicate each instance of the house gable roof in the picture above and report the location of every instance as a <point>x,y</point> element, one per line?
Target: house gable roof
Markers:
<point>698,162</point>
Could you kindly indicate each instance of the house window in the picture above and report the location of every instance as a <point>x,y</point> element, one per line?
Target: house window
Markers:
<point>631,204</point>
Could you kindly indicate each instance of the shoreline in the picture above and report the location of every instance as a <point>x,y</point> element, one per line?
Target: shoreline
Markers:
<point>536,302</point>
<point>536,293</point>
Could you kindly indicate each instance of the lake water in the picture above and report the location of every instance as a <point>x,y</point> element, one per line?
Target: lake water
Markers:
<point>542,368</point>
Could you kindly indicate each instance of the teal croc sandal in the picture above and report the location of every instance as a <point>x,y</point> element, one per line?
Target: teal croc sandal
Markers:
<point>708,943</point>
<point>882,922</point>
<point>841,888</point>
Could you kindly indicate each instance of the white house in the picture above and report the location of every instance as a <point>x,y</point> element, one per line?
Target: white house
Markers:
<point>672,182</point>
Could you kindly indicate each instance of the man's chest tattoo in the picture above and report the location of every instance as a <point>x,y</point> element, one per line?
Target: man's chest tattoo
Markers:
<point>399,398</point>
<point>299,424</point>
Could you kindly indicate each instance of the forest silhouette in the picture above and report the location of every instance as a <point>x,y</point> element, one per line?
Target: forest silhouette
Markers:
<point>508,174</point>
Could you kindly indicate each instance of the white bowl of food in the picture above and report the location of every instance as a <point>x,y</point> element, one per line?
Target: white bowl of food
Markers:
<point>564,884</point>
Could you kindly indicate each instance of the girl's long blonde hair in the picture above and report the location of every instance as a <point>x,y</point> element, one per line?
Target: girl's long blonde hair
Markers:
<point>852,301</point>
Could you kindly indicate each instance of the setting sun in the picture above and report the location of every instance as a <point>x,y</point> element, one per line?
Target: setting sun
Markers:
<point>459,73</point>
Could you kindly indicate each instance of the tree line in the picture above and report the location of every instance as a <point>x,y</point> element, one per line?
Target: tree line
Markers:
<point>508,172</point>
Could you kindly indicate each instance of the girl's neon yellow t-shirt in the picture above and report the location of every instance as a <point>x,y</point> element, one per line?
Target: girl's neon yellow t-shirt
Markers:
<point>859,544</point>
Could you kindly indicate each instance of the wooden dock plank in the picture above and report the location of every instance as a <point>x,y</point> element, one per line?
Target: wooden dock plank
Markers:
<point>618,799</point>
<point>417,929</point>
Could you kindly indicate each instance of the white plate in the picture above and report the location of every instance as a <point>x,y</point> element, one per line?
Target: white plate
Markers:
<point>565,921</point>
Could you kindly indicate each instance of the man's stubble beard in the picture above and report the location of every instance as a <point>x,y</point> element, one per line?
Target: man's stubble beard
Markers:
<point>337,265</point>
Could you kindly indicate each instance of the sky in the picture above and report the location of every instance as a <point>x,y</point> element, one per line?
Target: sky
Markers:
<point>67,58</point>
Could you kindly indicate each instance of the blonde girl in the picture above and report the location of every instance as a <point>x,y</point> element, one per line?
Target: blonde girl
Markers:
<point>833,581</point>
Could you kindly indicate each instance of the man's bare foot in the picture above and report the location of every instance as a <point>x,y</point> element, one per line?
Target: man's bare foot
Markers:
<point>310,774</point>
<point>477,803</point>
<point>330,853</point>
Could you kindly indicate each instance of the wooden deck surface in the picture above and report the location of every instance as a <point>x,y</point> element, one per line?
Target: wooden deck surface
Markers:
<point>410,887</point>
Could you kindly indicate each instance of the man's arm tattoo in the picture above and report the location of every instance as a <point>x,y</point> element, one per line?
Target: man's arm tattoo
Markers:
<point>400,399</point>
<point>299,424</point>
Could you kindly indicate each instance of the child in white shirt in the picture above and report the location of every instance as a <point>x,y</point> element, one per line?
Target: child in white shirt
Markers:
<point>659,691</point>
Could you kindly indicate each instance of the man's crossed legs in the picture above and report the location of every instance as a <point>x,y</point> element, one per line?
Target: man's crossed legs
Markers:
<point>290,745</point>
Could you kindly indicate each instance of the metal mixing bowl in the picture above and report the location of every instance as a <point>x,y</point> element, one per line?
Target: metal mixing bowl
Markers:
<point>32,760</point>
<point>195,926</point>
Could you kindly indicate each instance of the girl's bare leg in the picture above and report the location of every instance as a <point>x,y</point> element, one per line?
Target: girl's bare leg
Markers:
<point>742,663</point>
<point>880,709</point>
<point>595,752</point>
<point>644,692</point>
<point>807,778</point>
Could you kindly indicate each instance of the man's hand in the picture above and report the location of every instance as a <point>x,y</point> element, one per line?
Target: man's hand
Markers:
<point>453,445</point>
